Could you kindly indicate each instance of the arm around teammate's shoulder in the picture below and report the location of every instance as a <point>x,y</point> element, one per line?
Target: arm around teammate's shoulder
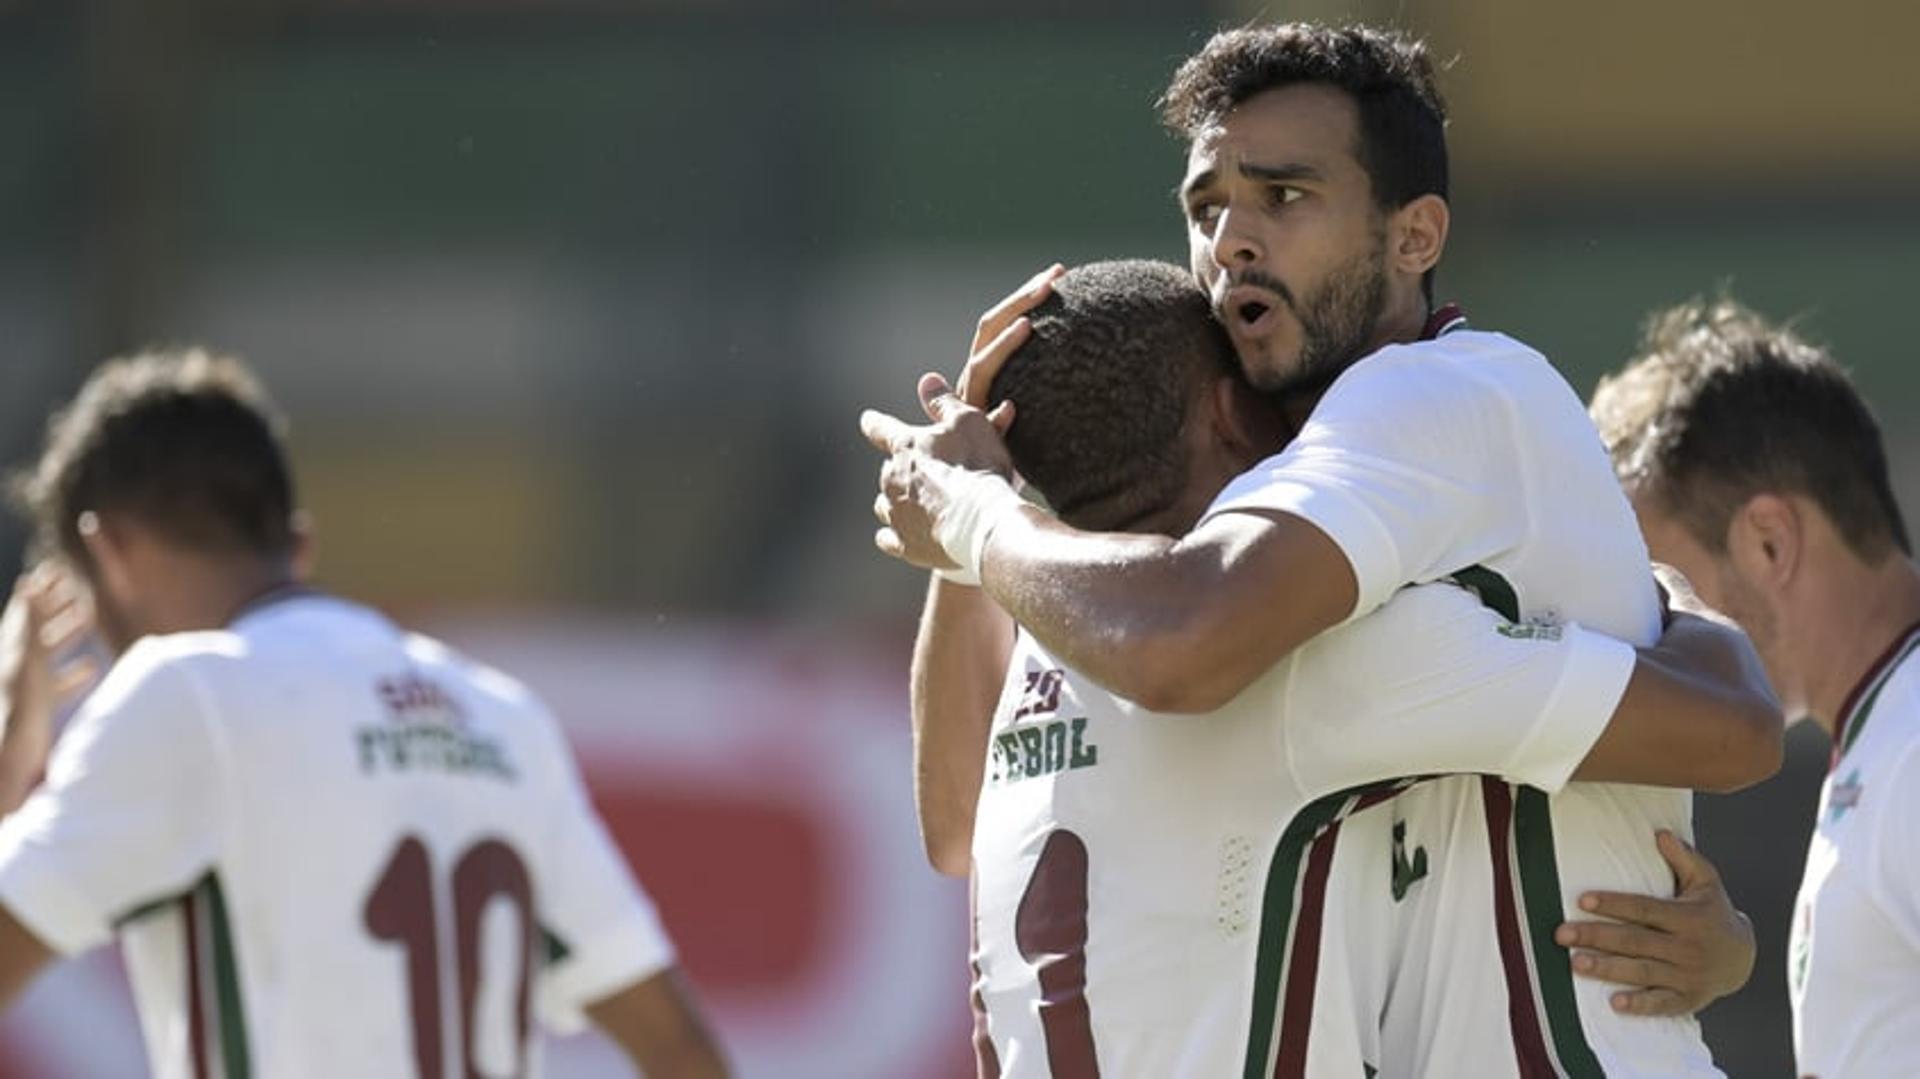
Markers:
<point>1173,625</point>
<point>658,1025</point>
<point>1697,713</point>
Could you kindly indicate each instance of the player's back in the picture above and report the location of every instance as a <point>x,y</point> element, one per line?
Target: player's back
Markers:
<point>384,866</point>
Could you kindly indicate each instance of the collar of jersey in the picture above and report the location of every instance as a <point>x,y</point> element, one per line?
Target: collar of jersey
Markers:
<point>1859,702</point>
<point>1443,321</point>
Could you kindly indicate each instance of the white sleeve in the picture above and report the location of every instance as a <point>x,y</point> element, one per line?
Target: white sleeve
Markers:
<point>600,930</point>
<point>1407,464</point>
<point>1893,876</point>
<point>130,811</point>
<point>1434,682</point>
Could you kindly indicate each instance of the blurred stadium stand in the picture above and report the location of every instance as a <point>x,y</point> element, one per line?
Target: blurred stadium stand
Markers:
<point>574,303</point>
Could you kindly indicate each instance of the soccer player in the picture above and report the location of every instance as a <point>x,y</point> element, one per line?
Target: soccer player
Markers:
<point>1316,203</point>
<point>1116,894</point>
<point>327,846</point>
<point>1758,471</point>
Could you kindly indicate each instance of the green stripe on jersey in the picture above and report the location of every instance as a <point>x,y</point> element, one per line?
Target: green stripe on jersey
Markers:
<point>226,983</point>
<point>1277,914</point>
<point>1552,964</point>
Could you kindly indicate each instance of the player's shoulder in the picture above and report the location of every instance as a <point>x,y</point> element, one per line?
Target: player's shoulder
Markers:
<point>481,682</point>
<point>1465,374</point>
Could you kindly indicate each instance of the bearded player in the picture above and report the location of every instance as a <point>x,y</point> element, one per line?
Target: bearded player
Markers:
<point>1120,923</point>
<point>327,846</point>
<point>1758,471</point>
<point>1316,200</point>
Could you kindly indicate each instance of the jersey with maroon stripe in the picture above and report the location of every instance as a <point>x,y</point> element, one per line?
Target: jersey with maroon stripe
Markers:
<point>328,847</point>
<point>1468,456</point>
<point>1209,895</point>
<point>1853,964</point>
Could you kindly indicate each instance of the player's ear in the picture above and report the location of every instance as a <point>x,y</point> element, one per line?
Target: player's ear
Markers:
<point>1765,538</point>
<point>1246,422</point>
<point>1417,234</point>
<point>106,546</point>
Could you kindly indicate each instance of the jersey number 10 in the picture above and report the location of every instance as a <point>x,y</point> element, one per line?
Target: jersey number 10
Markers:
<point>401,909</point>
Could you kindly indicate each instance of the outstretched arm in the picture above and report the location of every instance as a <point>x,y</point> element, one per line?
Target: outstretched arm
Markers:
<point>960,660</point>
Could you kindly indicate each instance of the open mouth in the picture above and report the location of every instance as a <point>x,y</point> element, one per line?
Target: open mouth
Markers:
<point>1251,312</point>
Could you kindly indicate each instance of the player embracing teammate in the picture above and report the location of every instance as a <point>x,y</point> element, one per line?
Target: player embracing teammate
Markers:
<point>1425,451</point>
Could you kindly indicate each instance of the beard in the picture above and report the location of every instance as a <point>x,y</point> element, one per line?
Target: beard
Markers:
<point>1337,322</point>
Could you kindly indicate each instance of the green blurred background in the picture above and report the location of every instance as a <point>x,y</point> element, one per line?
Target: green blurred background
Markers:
<point>574,303</point>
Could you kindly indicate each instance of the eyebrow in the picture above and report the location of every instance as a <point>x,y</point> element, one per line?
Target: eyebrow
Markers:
<point>1265,173</point>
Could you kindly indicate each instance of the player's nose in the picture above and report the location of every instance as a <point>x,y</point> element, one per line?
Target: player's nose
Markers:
<point>1234,243</point>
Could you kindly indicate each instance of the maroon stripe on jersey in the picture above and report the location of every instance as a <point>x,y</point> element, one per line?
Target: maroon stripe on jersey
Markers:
<point>1846,719</point>
<point>1449,317</point>
<point>1523,1018</point>
<point>987,1061</point>
<point>1296,1009</point>
<point>196,1015</point>
<point>1050,928</point>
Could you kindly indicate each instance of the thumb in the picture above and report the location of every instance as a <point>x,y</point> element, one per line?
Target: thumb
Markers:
<point>1690,869</point>
<point>937,397</point>
<point>1002,417</point>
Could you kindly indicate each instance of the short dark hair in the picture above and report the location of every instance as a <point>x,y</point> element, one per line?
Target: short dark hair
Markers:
<point>1403,119</point>
<point>186,442</point>
<point>1721,405</point>
<point>1103,387</point>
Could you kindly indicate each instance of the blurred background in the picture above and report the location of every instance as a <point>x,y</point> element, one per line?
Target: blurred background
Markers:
<point>573,304</point>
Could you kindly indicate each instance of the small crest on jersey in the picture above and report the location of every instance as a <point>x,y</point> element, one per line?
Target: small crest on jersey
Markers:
<point>1844,796</point>
<point>427,731</point>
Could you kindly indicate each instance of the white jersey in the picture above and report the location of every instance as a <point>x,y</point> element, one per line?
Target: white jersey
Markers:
<point>1466,455</point>
<point>1152,893</point>
<point>1853,966</point>
<point>329,848</point>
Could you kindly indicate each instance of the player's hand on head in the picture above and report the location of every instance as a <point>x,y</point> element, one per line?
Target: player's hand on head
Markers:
<point>1000,332</point>
<point>940,479</point>
<point>1678,954</point>
<point>47,614</point>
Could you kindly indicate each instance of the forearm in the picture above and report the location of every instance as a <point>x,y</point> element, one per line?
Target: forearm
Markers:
<point>658,1025</point>
<point>1698,713</point>
<point>960,660</point>
<point>1176,626</point>
<point>24,743</point>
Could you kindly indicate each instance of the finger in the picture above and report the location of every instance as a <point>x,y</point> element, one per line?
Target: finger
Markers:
<point>1651,1002</point>
<point>1645,973</point>
<point>1639,909</point>
<point>68,626</point>
<point>1690,868</point>
<point>976,381</point>
<point>886,433</point>
<point>1002,416</point>
<point>883,509</point>
<point>937,398</point>
<point>1614,939</point>
<point>1019,302</point>
<point>889,543</point>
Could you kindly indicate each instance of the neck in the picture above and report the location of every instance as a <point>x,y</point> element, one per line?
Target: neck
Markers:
<point>1863,612</point>
<point>1404,320</point>
<point>202,594</point>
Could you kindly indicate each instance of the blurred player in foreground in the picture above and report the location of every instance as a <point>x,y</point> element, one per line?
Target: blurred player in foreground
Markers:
<point>1758,471</point>
<point>1120,917</point>
<point>1316,206</point>
<point>328,846</point>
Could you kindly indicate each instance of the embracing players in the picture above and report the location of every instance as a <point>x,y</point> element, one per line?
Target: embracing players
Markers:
<point>328,846</point>
<point>1316,207</point>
